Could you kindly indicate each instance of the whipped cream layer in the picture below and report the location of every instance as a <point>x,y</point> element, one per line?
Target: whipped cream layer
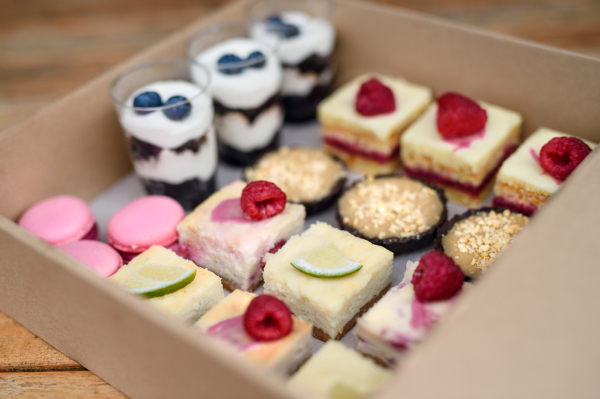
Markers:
<point>317,36</point>
<point>250,88</point>
<point>296,83</point>
<point>524,164</point>
<point>238,132</point>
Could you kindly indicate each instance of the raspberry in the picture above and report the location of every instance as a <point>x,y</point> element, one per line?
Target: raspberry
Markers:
<point>436,277</point>
<point>561,155</point>
<point>262,199</point>
<point>459,116</point>
<point>374,99</point>
<point>267,318</point>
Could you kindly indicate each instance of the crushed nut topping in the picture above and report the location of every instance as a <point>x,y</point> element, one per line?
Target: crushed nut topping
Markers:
<point>304,174</point>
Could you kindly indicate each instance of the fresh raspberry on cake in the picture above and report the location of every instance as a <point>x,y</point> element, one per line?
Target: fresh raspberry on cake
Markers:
<point>459,116</point>
<point>262,199</point>
<point>267,318</point>
<point>561,155</point>
<point>437,277</point>
<point>374,98</point>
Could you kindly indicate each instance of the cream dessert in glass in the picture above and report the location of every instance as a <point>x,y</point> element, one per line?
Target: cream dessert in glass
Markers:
<point>306,42</point>
<point>168,124</point>
<point>246,89</point>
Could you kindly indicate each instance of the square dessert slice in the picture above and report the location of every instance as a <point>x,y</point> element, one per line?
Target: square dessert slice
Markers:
<point>225,323</point>
<point>339,372</point>
<point>399,321</point>
<point>522,185</point>
<point>464,167</point>
<point>187,303</point>
<point>369,143</point>
<point>332,305</point>
<point>217,235</point>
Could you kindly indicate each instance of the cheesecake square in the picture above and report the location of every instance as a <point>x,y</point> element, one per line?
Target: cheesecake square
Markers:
<point>331,305</point>
<point>188,303</point>
<point>336,371</point>
<point>522,185</point>
<point>398,321</point>
<point>369,144</point>
<point>464,167</point>
<point>224,323</point>
<point>218,236</point>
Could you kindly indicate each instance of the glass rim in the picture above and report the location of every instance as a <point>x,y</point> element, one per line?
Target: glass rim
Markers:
<point>331,6</point>
<point>146,64</point>
<point>222,26</point>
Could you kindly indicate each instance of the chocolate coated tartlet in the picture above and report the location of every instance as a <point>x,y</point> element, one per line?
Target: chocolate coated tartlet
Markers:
<point>476,238</point>
<point>308,176</point>
<point>397,213</point>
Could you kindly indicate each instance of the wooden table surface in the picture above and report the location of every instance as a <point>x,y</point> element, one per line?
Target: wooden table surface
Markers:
<point>48,48</point>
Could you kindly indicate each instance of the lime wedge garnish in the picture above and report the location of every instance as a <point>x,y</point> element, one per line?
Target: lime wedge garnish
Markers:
<point>325,262</point>
<point>152,280</point>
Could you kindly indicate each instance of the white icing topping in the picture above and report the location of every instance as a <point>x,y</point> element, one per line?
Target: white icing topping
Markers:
<point>411,99</point>
<point>155,128</point>
<point>175,168</point>
<point>317,36</point>
<point>522,165</point>
<point>235,130</point>
<point>250,88</point>
<point>423,136</point>
<point>301,84</point>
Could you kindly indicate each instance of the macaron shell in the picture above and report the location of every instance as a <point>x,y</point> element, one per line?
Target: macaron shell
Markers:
<point>59,220</point>
<point>147,221</point>
<point>96,255</point>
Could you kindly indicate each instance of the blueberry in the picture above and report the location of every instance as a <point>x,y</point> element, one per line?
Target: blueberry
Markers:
<point>285,30</point>
<point>179,112</point>
<point>274,19</point>
<point>147,99</point>
<point>227,64</point>
<point>257,59</point>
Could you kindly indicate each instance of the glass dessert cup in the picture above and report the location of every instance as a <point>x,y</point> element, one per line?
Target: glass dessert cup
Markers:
<point>168,122</point>
<point>307,40</point>
<point>246,89</point>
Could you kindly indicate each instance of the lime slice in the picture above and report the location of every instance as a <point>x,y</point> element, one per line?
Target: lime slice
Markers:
<point>325,262</point>
<point>152,280</point>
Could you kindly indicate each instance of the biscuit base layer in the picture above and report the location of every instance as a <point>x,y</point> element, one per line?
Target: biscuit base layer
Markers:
<point>323,336</point>
<point>364,165</point>
<point>231,286</point>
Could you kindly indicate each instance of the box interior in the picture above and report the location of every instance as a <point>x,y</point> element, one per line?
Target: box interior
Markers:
<point>529,329</point>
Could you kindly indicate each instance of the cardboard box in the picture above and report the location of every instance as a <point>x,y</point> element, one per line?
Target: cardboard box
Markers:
<point>530,328</point>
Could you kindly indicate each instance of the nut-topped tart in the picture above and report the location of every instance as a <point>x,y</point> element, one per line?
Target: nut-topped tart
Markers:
<point>477,237</point>
<point>398,213</point>
<point>308,176</point>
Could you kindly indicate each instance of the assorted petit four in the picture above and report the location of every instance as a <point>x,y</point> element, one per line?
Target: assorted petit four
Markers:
<point>362,121</point>
<point>305,50</point>
<point>260,329</point>
<point>537,169</point>
<point>246,78</point>
<point>173,284</point>
<point>328,278</point>
<point>234,230</point>
<point>142,223</point>
<point>459,144</point>
<point>398,213</point>
<point>337,372</point>
<point>169,129</point>
<point>97,256</point>
<point>407,312</point>
<point>475,239</point>
<point>60,220</point>
<point>307,176</point>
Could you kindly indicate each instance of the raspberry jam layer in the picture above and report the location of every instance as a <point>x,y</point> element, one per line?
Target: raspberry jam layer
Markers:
<point>175,247</point>
<point>467,188</point>
<point>525,209</point>
<point>353,149</point>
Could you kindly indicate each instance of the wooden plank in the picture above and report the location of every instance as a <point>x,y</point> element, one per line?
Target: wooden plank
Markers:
<point>20,350</point>
<point>56,384</point>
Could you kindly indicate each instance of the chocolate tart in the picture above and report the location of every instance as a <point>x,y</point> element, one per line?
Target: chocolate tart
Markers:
<point>308,176</point>
<point>504,225</point>
<point>418,234</point>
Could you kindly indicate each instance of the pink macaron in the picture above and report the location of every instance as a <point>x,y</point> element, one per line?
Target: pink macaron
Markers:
<point>61,220</point>
<point>98,256</point>
<point>145,222</point>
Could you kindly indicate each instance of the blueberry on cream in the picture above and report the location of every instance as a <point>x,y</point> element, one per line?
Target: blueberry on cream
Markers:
<point>148,99</point>
<point>229,64</point>
<point>180,111</point>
